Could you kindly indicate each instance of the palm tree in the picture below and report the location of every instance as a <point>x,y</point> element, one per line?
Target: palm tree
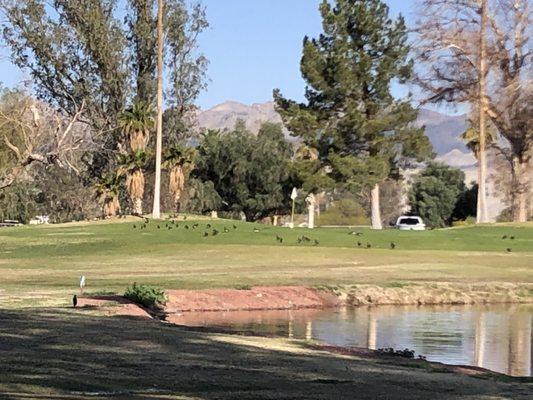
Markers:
<point>131,165</point>
<point>136,123</point>
<point>179,161</point>
<point>471,139</point>
<point>107,192</point>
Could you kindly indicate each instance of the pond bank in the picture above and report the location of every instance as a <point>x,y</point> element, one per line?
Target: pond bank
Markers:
<point>299,297</point>
<point>432,293</point>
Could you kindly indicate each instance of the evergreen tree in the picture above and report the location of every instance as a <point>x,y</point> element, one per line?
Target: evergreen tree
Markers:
<point>141,24</point>
<point>362,134</point>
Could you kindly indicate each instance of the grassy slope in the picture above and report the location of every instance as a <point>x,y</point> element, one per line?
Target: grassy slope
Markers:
<point>62,353</point>
<point>41,265</point>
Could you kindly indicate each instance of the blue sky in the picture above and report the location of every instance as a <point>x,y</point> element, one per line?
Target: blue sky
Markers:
<point>253,46</point>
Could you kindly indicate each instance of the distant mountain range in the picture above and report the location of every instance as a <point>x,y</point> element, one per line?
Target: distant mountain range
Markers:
<point>443,130</point>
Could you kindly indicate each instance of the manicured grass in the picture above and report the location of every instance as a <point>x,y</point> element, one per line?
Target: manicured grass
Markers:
<point>41,265</point>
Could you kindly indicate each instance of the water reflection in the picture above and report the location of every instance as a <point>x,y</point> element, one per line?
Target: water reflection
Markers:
<point>493,337</point>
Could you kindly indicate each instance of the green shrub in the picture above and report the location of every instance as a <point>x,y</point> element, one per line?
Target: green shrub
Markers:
<point>467,221</point>
<point>243,287</point>
<point>343,212</point>
<point>146,295</point>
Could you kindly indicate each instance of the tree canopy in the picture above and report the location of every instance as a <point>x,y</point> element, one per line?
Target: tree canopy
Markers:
<point>361,132</point>
<point>249,172</point>
<point>435,193</point>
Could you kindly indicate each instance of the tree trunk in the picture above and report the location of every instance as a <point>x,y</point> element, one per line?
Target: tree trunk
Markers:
<point>311,204</point>
<point>481,214</point>
<point>159,128</point>
<point>376,213</point>
<point>520,190</point>
<point>137,206</point>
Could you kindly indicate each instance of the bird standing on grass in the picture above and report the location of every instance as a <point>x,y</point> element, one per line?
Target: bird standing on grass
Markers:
<point>368,245</point>
<point>508,250</point>
<point>359,244</point>
<point>206,234</point>
<point>226,230</point>
<point>82,283</point>
<point>234,226</point>
<point>392,245</point>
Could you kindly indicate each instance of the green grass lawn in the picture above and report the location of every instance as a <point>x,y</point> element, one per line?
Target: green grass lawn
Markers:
<point>41,265</point>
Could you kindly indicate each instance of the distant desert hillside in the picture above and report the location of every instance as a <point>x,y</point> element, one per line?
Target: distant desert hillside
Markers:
<point>443,130</point>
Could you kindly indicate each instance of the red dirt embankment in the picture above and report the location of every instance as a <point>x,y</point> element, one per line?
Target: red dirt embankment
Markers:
<point>113,305</point>
<point>256,298</point>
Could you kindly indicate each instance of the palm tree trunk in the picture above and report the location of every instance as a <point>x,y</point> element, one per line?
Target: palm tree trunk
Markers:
<point>137,206</point>
<point>481,214</point>
<point>159,128</point>
<point>375,208</point>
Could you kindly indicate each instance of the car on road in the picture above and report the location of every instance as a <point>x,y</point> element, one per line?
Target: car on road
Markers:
<point>410,223</point>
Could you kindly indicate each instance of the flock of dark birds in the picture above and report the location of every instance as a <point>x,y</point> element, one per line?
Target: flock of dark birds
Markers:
<point>508,237</point>
<point>209,230</point>
<point>173,224</point>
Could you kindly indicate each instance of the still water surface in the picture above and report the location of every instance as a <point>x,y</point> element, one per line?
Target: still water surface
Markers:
<point>495,337</point>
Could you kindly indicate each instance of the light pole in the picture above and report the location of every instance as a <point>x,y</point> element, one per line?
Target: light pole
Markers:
<point>159,126</point>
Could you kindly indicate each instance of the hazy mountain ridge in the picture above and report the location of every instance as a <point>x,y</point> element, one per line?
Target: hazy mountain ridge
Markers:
<point>443,130</point>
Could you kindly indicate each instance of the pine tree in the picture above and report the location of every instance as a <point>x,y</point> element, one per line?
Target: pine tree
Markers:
<point>363,135</point>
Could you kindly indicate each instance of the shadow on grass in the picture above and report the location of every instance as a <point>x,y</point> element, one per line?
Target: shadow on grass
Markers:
<point>60,353</point>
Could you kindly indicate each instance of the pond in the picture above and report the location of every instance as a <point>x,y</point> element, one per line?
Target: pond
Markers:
<point>496,337</point>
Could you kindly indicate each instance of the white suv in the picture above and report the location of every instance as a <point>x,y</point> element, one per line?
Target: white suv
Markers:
<point>410,223</point>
